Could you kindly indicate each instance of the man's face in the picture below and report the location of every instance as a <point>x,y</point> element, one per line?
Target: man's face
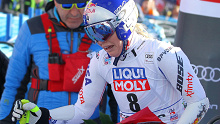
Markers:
<point>73,18</point>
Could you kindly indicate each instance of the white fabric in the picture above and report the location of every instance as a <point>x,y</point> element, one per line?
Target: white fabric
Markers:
<point>66,114</point>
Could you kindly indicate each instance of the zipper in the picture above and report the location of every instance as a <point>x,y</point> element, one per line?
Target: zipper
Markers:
<point>71,51</point>
<point>71,40</point>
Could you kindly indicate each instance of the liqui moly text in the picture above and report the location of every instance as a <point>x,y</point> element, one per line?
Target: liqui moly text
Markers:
<point>130,79</point>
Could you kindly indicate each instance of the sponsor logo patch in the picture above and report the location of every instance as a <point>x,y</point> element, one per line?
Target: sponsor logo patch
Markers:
<point>81,96</point>
<point>149,57</point>
<point>97,55</point>
<point>164,53</point>
<point>180,71</point>
<point>130,79</point>
<point>90,8</point>
<point>107,60</point>
<point>189,90</point>
<point>88,80</point>
<point>173,115</point>
<point>78,74</point>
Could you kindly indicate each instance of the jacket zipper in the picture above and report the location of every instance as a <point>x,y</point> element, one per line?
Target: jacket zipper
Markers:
<point>71,40</point>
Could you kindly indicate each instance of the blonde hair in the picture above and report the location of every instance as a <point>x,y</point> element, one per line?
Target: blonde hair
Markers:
<point>141,29</point>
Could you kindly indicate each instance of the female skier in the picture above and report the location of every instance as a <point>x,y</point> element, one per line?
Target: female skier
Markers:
<point>149,78</point>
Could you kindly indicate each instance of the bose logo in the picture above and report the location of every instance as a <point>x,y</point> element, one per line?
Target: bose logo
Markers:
<point>179,85</point>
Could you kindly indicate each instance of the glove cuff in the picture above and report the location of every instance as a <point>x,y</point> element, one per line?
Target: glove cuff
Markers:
<point>44,119</point>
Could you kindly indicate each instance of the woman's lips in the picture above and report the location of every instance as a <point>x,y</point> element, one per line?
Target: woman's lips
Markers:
<point>108,48</point>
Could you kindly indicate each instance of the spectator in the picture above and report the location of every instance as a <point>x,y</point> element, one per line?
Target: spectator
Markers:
<point>169,5</point>
<point>160,5</point>
<point>175,12</point>
<point>149,8</point>
<point>49,49</point>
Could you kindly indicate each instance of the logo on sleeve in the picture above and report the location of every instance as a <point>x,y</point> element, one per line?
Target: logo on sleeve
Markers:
<point>81,96</point>
<point>97,55</point>
<point>130,79</point>
<point>179,85</point>
<point>107,59</point>
<point>189,90</point>
<point>164,53</point>
<point>173,115</point>
<point>87,79</point>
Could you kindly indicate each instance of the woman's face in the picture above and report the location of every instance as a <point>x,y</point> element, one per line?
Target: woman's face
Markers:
<point>113,46</point>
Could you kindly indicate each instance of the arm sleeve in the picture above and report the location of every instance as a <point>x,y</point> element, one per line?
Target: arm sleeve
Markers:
<point>16,77</point>
<point>176,67</point>
<point>88,98</point>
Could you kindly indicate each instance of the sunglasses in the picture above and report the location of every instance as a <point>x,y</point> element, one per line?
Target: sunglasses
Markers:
<point>100,31</point>
<point>70,6</point>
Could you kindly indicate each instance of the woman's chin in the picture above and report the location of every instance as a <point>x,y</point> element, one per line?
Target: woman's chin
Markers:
<point>113,54</point>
